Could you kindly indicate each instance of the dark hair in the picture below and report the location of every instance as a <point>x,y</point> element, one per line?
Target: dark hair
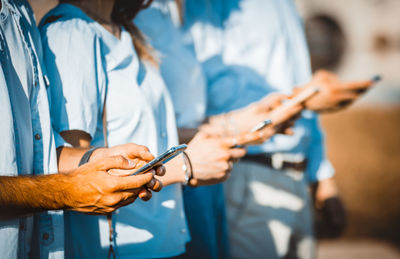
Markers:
<point>124,11</point>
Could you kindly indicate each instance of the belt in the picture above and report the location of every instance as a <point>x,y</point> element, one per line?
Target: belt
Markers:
<point>276,161</point>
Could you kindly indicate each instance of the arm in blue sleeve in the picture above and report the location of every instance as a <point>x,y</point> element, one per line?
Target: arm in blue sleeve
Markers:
<point>77,86</point>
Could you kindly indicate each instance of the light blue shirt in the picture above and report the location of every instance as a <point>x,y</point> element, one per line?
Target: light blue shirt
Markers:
<point>249,49</point>
<point>91,69</point>
<point>179,67</point>
<point>184,77</point>
<point>28,144</point>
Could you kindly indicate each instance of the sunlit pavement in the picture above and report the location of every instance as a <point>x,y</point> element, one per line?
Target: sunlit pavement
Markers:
<point>354,249</point>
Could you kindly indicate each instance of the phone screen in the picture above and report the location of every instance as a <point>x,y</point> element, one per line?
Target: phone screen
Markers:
<point>162,159</point>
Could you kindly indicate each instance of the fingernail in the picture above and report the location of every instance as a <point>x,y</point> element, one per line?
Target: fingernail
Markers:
<point>131,163</point>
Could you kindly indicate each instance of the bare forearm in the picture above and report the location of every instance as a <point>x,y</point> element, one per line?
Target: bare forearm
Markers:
<point>235,122</point>
<point>22,195</point>
<point>68,158</point>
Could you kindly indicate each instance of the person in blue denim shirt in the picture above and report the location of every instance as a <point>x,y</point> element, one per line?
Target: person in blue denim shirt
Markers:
<point>184,77</point>
<point>28,159</point>
<point>248,49</point>
<point>185,80</point>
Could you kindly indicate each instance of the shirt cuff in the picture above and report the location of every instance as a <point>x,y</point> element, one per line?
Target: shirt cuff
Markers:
<point>325,171</point>
<point>60,142</point>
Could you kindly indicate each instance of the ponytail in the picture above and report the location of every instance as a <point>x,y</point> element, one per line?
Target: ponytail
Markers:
<point>123,13</point>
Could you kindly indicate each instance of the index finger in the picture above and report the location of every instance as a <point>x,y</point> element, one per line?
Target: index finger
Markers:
<point>133,182</point>
<point>273,100</point>
<point>248,138</point>
<point>114,162</point>
<point>139,151</point>
<point>357,85</point>
<point>284,112</point>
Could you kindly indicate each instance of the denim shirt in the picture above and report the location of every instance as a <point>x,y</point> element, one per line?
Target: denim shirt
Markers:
<point>28,145</point>
<point>250,48</point>
<point>184,77</point>
<point>179,67</point>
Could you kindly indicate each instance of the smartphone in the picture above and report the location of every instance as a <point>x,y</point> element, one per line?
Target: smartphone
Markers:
<point>162,159</point>
<point>302,96</point>
<point>258,127</point>
<point>276,114</point>
<point>261,125</point>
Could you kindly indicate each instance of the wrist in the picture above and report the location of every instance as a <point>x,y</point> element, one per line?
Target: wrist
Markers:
<point>65,198</point>
<point>98,153</point>
<point>54,194</point>
<point>174,172</point>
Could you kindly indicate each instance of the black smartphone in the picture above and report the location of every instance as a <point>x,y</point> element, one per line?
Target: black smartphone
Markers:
<point>376,78</point>
<point>162,159</point>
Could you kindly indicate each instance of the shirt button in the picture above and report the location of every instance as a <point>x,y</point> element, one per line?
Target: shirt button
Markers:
<point>37,136</point>
<point>183,231</point>
<point>45,236</point>
<point>163,134</point>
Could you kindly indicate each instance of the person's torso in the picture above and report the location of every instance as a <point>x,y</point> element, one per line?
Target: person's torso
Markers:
<point>138,110</point>
<point>267,36</point>
<point>262,48</point>
<point>179,67</point>
<point>30,148</point>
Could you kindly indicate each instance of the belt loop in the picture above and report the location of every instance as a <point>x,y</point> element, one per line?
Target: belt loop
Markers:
<point>277,161</point>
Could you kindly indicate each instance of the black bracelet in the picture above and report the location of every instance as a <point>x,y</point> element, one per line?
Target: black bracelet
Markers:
<point>187,168</point>
<point>85,158</point>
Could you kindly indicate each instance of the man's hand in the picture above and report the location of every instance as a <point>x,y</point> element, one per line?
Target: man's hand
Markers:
<point>92,189</point>
<point>333,94</point>
<point>137,153</point>
<point>211,159</point>
<point>89,189</point>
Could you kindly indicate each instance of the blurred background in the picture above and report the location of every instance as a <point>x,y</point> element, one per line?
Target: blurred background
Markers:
<point>357,39</point>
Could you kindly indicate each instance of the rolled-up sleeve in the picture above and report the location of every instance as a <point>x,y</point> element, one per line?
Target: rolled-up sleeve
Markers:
<point>319,167</point>
<point>77,79</point>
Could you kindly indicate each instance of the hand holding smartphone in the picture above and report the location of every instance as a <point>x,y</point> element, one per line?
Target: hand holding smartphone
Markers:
<point>279,114</point>
<point>162,159</point>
